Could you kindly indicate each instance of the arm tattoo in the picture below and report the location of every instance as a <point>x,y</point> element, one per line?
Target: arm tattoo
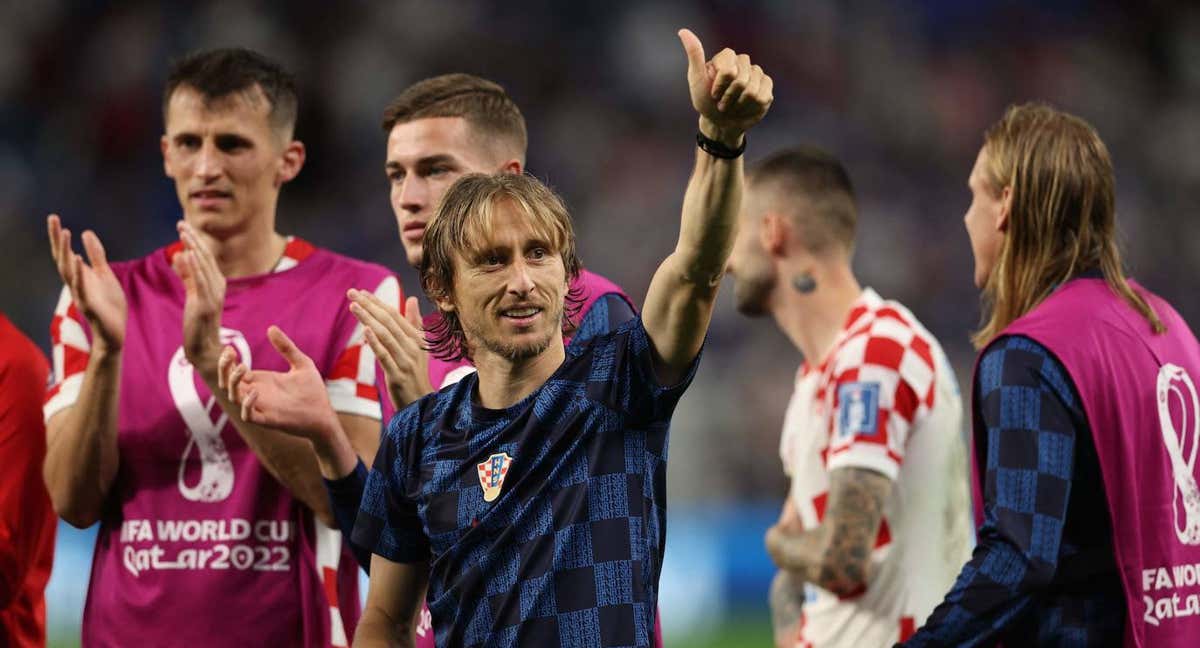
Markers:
<point>856,500</point>
<point>787,600</point>
<point>835,554</point>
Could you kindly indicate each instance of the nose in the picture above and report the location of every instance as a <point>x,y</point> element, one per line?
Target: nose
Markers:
<point>520,282</point>
<point>208,164</point>
<point>414,194</point>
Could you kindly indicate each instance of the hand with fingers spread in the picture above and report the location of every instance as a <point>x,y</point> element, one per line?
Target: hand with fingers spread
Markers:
<point>295,401</point>
<point>398,342</point>
<point>729,91</point>
<point>205,287</point>
<point>94,288</point>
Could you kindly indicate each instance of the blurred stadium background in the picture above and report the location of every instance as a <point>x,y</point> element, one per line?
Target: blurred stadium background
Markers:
<point>900,90</point>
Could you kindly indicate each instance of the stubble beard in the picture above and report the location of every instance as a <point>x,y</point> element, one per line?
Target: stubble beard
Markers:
<point>529,350</point>
<point>750,296</point>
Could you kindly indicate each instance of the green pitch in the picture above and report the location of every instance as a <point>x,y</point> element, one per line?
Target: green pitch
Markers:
<point>738,632</point>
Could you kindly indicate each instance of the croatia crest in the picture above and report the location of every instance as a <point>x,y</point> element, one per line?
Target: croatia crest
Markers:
<point>491,475</point>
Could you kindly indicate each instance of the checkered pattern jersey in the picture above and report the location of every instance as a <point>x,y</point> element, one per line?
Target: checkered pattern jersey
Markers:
<point>884,349</point>
<point>570,552</point>
<point>1043,572</point>
<point>883,399</point>
<point>605,315</point>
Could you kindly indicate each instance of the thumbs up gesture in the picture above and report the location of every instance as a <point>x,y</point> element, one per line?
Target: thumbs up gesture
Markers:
<point>730,93</point>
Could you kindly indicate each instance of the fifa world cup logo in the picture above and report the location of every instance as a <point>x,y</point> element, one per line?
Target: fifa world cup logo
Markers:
<point>216,470</point>
<point>1177,392</point>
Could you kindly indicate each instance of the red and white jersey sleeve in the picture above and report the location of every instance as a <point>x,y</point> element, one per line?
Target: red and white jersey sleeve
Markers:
<point>352,382</point>
<point>882,381</point>
<point>71,348</point>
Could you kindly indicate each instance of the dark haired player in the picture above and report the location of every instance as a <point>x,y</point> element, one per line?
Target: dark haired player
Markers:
<point>214,530</point>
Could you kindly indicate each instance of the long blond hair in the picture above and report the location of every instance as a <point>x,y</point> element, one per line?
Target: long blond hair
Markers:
<point>464,222</point>
<point>1062,219</point>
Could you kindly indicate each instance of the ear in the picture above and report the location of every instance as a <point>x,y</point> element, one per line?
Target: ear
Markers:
<point>1005,209</point>
<point>513,166</point>
<point>293,160</point>
<point>164,145</point>
<point>444,303</point>
<point>442,299</point>
<point>773,233</point>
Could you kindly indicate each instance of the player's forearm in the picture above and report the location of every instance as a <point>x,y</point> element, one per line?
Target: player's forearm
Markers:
<point>291,460</point>
<point>977,607</point>
<point>683,291</point>
<point>787,602</point>
<point>802,554</point>
<point>81,443</point>
<point>710,210</point>
<point>336,455</point>
<point>377,629</point>
<point>836,554</point>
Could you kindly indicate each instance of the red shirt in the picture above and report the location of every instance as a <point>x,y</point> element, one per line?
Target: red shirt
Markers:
<point>27,521</point>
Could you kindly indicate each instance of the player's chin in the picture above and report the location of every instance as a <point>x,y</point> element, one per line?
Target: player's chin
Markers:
<point>214,218</point>
<point>413,252</point>
<point>981,276</point>
<point>529,345</point>
<point>749,304</point>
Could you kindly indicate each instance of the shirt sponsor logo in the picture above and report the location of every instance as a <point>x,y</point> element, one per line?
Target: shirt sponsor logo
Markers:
<point>491,475</point>
<point>1169,592</point>
<point>858,409</point>
<point>204,434</point>
<point>1178,407</point>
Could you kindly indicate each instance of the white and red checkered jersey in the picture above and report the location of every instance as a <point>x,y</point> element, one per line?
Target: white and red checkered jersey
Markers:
<point>885,399</point>
<point>198,534</point>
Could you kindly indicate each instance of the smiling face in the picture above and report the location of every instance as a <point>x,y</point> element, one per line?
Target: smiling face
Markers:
<point>985,219</point>
<point>226,159</point>
<point>509,286</point>
<point>424,157</point>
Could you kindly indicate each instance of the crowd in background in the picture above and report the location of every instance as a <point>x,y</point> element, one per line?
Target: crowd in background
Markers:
<point>900,91</point>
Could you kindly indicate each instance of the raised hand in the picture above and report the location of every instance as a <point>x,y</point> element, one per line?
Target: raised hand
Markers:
<point>729,91</point>
<point>398,343</point>
<point>94,288</point>
<point>295,401</point>
<point>205,288</point>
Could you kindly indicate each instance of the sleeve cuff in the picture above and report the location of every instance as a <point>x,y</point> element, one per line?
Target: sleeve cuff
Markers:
<point>880,462</point>
<point>354,482</point>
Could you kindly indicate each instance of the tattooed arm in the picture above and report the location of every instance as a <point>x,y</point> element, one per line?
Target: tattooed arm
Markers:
<point>835,555</point>
<point>787,600</point>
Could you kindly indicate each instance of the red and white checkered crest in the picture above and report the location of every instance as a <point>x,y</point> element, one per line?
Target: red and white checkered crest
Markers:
<point>491,475</point>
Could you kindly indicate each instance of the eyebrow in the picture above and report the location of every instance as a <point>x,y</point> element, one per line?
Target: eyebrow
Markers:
<point>187,132</point>
<point>441,158</point>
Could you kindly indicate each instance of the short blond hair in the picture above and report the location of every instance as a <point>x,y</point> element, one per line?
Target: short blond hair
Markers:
<point>464,219</point>
<point>1063,216</point>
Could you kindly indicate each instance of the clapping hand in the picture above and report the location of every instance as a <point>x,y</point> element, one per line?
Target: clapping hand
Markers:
<point>398,342</point>
<point>94,288</point>
<point>205,287</point>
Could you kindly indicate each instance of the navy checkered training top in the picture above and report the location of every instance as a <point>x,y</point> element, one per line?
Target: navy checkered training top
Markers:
<point>568,553</point>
